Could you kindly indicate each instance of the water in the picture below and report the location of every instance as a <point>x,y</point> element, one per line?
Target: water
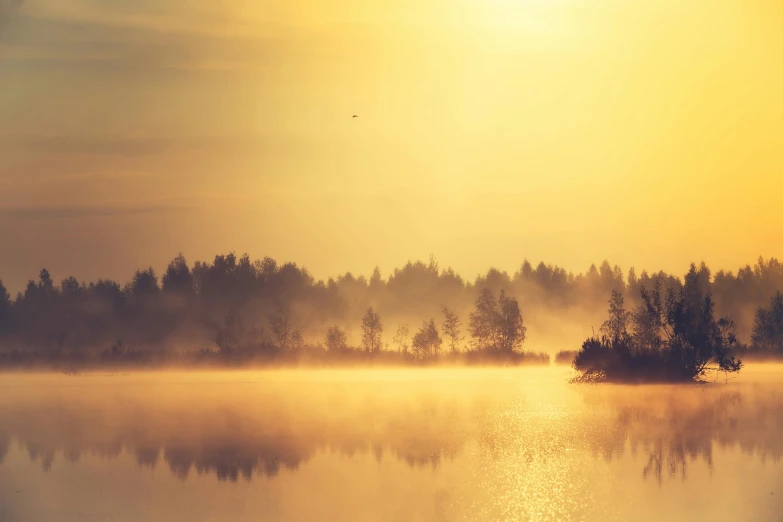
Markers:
<point>388,445</point>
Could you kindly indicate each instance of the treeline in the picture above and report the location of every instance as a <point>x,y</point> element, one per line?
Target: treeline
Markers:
<point>234,306</point>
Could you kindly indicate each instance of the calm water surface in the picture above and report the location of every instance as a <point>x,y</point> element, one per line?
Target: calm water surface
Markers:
<point>388,445</point>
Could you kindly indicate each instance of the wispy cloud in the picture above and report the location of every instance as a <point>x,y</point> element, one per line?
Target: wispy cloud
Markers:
<point>85,145</point>
<point>7,7</point>
<point>39,212</point>
<point>179,19</point>
<point>147,36</point>
<point>121,145</point>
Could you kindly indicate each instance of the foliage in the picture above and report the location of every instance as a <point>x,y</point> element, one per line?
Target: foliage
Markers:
<point>372,331</point>
<point>336,340</point>
<point>675,338</point>
<point>188,305</point>
<point>452,329</point>
<point>401,338</point>
<point>510,328</point>
<point>427,341</point>
<point>285,335</point>
<point>768,327</point>
<point>565,356</point>
<point>497,327</point>
<point>616,326</point>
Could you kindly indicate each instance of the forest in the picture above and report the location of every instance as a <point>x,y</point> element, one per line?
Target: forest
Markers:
<point>234,310</point>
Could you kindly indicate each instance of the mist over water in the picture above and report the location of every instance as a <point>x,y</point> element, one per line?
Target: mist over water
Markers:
<point>394,444</point>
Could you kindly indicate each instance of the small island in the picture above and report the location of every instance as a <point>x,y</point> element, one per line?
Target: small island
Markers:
<point>672,336</point>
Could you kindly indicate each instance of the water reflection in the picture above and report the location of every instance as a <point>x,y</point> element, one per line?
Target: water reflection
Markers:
<point>240,431</point>
<point>676,426</point>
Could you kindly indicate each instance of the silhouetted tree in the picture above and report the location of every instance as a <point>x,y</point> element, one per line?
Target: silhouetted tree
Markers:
<point>372,331</point>
<point>376,281</point>
<point>234,338</point>
<point>178,278</point>
<point>483,321</point>
<point>616,326</point>
<point>46,283</point>
<point>646,325</point>
<point>336,340</point>
<point>427,341</point>
<point>768,327</point>
<point>511,330</point>
<point>5,310</point>
<point>683,325</point>
<point>143,284</point>
<point>70,288</point>
<point>497,326</point>
<point>285,336</point>
<point>452,329</point>
<point>401,338</point>
<point>58,320</point>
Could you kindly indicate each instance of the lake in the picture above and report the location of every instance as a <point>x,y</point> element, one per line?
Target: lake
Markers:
<point>388,445</point>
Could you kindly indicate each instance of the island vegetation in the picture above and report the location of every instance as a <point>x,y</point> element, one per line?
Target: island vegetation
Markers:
<point>667,338</point>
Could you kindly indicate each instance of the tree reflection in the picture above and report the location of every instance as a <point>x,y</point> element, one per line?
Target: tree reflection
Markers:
<point>231,435</point>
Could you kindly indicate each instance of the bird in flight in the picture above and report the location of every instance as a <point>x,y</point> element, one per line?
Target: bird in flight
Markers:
<point>355,116</point>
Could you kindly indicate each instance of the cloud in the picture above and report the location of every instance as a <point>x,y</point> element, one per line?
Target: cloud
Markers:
<point>41,212</point>
<point>169,18</point>
<point>85,32</point>
<point>85,145</point>
<point>122,145</point>
<point>9,5</point>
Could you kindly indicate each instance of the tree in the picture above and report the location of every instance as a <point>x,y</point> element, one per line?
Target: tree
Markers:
<point>691,336</point>
<point>5,309</point>
<point>336,340</point>
<point>401,338</point>
<point>70,287</point>
<point>682,339</point>
<point>144,283</point>
<point>509,325</point>
<point>768,326</point>
<point>427,341</point>
<point>46,284</point>
<point>285,335</point>
<point>235,338</point>
<point>645,325</point>
<point>616,326</point>
<point>483,321</point>
<point>452,329</point>
<point>230,338</point>
<point>268,267</point>
<point>376,281</point>
<point>372,331</point>
<point>178,278</point>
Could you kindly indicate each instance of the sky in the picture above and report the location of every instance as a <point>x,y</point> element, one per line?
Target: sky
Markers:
<point>488,131</point>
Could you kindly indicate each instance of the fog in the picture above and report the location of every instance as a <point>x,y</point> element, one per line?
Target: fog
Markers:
<point>263,307</point>
<point>494,441</point>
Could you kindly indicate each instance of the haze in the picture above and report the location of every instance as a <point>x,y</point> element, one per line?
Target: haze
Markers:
<point>426,444</point>
<point>488,131</point>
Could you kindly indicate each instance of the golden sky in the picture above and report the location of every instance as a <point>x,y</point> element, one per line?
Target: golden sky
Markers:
<point>489,131</point>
